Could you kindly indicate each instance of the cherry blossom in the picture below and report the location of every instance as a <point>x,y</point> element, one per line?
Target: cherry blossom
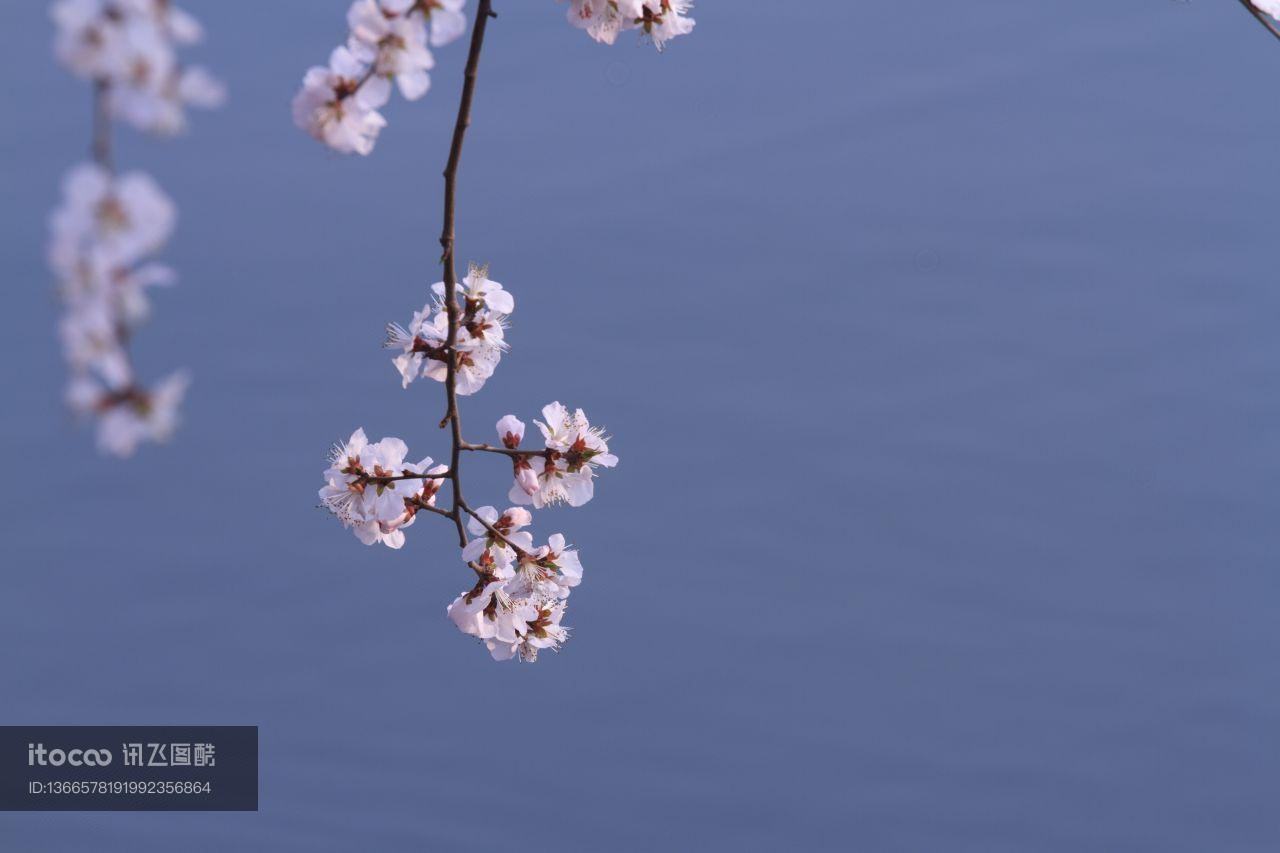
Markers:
<point>106,220</point>
<point>658,20</point>
<point>129,415</point>
<point>504,532</point>
<point>394,45</point>
<point>549,572</point>
<point>479,344</point>
<point>336,107</point>
<point>131,48</point>
<point>387,41</point>
<point>108,224</point>
<point>565,472</point>
<point>374,492</point>
<point>479,293</point>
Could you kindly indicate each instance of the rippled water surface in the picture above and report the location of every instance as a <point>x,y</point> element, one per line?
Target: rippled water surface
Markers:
<point>941,354</point>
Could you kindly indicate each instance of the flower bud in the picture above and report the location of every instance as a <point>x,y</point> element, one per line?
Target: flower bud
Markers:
<point>511,431</point>
<point>526,478</point>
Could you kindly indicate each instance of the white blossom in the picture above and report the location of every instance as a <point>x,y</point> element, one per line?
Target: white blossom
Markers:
<point>1271,7</point>
<point>565,473</point>
<point>509,526</point>
<point>112,222</point>
<point>387,41</point>
<point>480,340</point>
<point>479,292</point>
<point>335,107</point>
<point>91,342</point>
<point>424,340</point>
<point>99,234</point>
<point>394,44</point>
<point>129,415</point>
<point>130,48</point>
<point>549,572</point>
<point>541,630</point>
<point>658,20</point>
<point>448,23</point>
<point>360,492</point>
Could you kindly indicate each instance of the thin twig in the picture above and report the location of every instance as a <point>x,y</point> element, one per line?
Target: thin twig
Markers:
<point>1263,18</point>
<point>434,509</point>
<point>505,451</point>
<point>483,12</point>
<point>494,531</point>
<point>369,478</point>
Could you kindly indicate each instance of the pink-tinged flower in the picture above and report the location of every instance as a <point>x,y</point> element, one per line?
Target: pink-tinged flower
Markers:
<point>566,473</point>
<point>526,478</point>
<point>366,487</point>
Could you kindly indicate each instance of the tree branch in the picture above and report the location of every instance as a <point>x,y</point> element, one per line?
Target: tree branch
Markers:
<point>505,451</point>
<point>483,12</point>
<point>382,481</point>
<point>100,149</point>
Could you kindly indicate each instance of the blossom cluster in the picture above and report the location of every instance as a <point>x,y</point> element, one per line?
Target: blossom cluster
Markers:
<point>131,47</point>
<point>388,40</point>
<point>101,235</point>
<point>521,589</point>
<point>518,601</point>
<point>485,307</point>
<point>658,21</point>
<point>563,471</point>
<point>108,226</point>
<point>374,491</point>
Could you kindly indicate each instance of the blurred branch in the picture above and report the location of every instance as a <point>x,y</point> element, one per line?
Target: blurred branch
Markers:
<point>101,146</point>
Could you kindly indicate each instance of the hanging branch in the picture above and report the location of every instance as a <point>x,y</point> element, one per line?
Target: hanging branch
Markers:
<point>483,13</point>
<point>108,225</point>
<point>458,338</point>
